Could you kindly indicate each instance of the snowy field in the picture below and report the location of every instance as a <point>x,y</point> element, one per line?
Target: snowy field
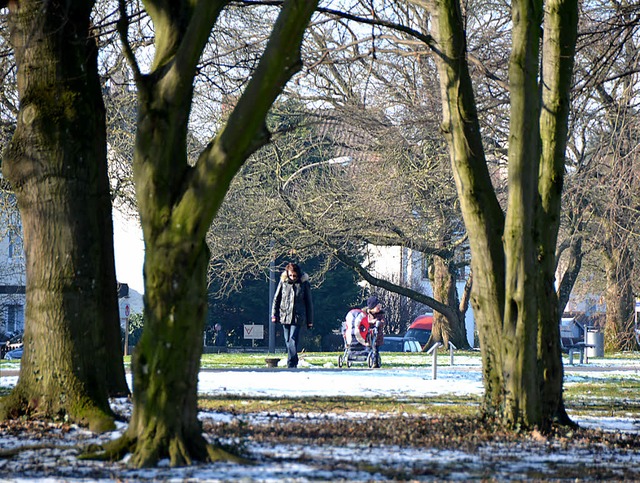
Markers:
<point>293,462</point>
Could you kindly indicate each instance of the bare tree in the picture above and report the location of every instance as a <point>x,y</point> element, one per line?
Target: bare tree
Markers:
<point>605,159</point>
<point>513,255</point>
<point>397,189</point>
<point>177,203</point>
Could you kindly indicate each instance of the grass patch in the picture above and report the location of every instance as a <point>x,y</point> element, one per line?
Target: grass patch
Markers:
<point>442,405</point>
<point>612,397</point>
<point>633,355</point>
<point>397,360</point>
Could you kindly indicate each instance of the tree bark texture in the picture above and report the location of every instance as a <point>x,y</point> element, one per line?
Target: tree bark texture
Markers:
<point>520,327</point>
<point>512,257</point>
<point>571,272</point>
<point>619,297</point>
<point>56,163</point>
<point>558,52</point>
<point>177,205</point>
<point>482,214</point>
<point>447,329</point>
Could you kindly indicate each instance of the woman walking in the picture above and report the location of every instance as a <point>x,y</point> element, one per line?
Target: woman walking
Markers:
<point>293,308</point>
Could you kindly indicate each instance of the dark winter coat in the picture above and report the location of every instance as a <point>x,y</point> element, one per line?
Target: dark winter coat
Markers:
<point>292,302</point>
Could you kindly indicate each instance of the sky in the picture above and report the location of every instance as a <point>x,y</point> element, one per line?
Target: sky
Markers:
<point>129,251</point>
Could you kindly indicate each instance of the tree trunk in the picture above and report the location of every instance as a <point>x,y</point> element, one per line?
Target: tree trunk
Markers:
<point>177,204</point>
<point>619,298</point>
<point>513,298</point>
<point>447,329</point>
<point>520,324</point>
<point>560,33</point>
<point>482,214</point>
<point>573,267</point>
<point>164,419</point>
<point>56,163</point>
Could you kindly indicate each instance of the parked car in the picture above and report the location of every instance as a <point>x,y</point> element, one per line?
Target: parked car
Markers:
<point>420,328</point>
<point>14,342</point>
<point>14,354</point>
<point>400,344</point>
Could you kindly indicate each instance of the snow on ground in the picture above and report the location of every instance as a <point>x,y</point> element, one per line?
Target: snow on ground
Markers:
<point>328,382</point>
<point>295,463</point>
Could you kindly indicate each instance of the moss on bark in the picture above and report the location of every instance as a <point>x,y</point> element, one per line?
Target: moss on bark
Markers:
<point>56,163</point>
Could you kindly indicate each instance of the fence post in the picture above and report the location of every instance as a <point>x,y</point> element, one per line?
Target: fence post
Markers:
<point>451,349</point>
<point>434,365</point>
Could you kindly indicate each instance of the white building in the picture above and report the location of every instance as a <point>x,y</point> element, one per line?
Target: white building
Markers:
<point>12,267</point>
<point>409,268</point>
<point>129,257</point>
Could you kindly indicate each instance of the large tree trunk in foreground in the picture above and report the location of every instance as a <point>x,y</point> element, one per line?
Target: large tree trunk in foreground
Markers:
<point>177,205</point>
<point>56,163</point>
<point>514,302</point>
<point>165,388</point>
<point>482,214</point>
<point>560,34</point>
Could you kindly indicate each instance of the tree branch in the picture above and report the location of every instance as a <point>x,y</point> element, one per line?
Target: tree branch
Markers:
<point>364,273</point>
<point>392,287</point>
<point>123,31</point>
<point>245,130</point>
<point>195,38</point>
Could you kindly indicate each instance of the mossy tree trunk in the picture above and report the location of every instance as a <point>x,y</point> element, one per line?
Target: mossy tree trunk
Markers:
<point>450,327</point>
<point>558,51</point>
<point>619,299</point>
<point>513,298</point>
<point>56,163</point>
<point>177,205</point>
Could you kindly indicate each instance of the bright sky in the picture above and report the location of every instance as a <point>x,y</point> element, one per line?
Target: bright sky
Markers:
<point>129,251</point>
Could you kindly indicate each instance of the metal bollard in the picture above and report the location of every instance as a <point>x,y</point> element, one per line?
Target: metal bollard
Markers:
<point>434,365</point>
<point>451,349</point>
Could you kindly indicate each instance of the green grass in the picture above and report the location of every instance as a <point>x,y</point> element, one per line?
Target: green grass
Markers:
<point>438,405</point>
<point>231,360</point>
<point>611,395</point>
<point>633,355</point>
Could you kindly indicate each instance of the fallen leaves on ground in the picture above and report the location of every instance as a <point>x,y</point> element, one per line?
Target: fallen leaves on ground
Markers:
<point>461,433</point>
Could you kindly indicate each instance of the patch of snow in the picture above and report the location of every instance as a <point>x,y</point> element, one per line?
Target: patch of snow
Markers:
<point>302,463</point>
<point>327,383</point>
<point>625,425</point>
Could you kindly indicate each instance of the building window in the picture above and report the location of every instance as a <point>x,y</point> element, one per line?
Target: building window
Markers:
<point>15,318</point>
<point>11,247</point>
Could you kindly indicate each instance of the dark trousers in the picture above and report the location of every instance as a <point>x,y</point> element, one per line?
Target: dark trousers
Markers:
<point>291,340</point>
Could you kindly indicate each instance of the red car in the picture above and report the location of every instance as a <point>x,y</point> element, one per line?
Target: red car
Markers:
<point>420,328</point>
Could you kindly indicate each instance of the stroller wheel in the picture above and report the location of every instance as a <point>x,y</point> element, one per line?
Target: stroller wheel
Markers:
<point>370,360</point>
<point>348,363</point>
<point>340,360</point>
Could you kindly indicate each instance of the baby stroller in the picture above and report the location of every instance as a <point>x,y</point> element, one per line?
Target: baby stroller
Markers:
<point>359,340</point>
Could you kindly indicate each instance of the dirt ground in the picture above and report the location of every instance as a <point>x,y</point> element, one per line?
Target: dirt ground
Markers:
<point>347,447</point>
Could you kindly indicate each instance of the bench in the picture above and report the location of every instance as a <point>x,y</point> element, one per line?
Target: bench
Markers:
<point>581,348</point>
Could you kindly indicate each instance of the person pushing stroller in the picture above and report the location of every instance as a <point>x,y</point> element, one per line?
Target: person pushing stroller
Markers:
<point>375,314</point>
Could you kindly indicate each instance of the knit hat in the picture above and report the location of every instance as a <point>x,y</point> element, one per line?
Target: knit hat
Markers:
<point>372,302</point>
